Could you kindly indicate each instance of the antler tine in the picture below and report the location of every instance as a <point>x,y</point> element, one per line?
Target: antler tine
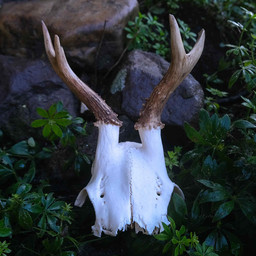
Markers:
<point>181,66</point>
<point>103,113</point>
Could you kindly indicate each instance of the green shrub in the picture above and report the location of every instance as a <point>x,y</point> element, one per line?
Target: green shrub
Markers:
<point>218,179</point>
<point>59,126</point>
<point>147,34</point>
<point>179,241</point>
<point>32,221</point>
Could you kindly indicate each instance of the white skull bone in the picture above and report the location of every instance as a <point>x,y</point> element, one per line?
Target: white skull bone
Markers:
<point>129,184</point>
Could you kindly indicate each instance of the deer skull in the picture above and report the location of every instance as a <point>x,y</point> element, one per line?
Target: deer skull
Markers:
<point>129,184</point>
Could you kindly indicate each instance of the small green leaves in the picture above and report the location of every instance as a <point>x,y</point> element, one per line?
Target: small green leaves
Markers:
<point>58,124</point>
<point>172,158</point>
<point>146,33</point>
<point>204,250</point>
<point>179,241</point>
<point>55,118</point>
<point>4,250</point>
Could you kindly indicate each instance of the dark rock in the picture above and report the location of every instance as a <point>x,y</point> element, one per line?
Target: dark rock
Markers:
<point>79,23</point>
<point>127,131</point>
<point>24,86</point>
<point>143,71</point>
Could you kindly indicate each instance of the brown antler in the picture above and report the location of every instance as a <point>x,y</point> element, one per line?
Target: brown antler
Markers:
<point>103,113</point>
<point>180,67</point>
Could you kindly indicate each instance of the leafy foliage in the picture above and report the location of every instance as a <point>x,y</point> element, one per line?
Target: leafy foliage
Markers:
<point>26,209</point>
<point>59,125</point>
<point>146,33</point>
<point>179,241</point>
<point>224,168</point>
<point>4,250</point>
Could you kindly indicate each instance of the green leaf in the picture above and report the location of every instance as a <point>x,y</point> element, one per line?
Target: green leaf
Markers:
<point>48,201</point>
<point>63,122</point>
<point>34,208</point>
<point>4,230</point>
<point>176,251</point>
<point>179,204</point>
<point>225,122</point>
<point>31,142</point>
<point>174,241</point>
<point>248,207</point>
<point>80,130</point>
<point>172,223</point>
<point>234,242</point>
<point>130,36</point>
<point>210,184</point>
<point>42,112</point>
<point>6,160</point>
<point>195,211</point>
<point>234,78</point>
<point>86,159</point>
<point>23,189</point>
<point>162,237</point>
<point>21,149</point>
<point>215,196</point>
<point>39,123</point>
<point>167,247</point>
<point>62,114</point>
<point>24,219</point>
<point>52,110</point>
<point>167,229</point>
<point>182,230</point>
<point>224,210</point>
<point>193,134</point>
<point>243,124</point>
<point>5,172</point>
<point>211,239</point>
<point>42,223</point>
<point>221,242</point>
<point>44,154</point>
<point>47,130</point>
<point>78,120</point>
<point>56,129</point>
<point>30,175</point>
<point>56,206</point>
<point>51,220</point>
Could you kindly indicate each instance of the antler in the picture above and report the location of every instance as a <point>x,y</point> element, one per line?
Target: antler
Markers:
<point>181,66</point>
<point>103,113</point>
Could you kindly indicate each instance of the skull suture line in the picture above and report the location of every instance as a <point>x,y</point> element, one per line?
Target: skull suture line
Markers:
<point>129,184</point>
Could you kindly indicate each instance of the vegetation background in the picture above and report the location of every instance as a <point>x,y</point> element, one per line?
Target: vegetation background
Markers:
<point>216,170</point>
